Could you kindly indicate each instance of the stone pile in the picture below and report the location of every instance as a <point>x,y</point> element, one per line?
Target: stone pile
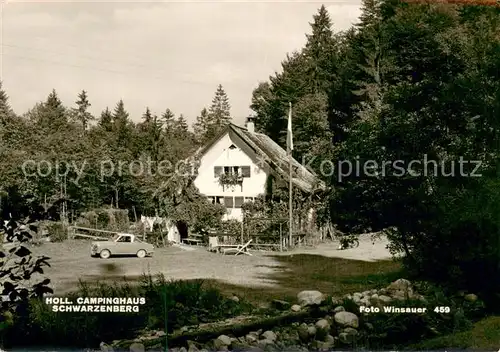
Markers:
<point>336,329</point>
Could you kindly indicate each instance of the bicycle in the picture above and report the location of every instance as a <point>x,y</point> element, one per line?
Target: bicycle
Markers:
<point>348,242</point>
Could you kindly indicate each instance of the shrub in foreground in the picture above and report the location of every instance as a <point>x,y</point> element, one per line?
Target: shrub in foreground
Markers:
<point>187,303</point>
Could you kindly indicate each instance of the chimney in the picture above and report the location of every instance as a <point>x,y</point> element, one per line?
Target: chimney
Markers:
<point>250,125</point>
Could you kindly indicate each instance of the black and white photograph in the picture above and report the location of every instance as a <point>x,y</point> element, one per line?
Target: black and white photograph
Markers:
<point>264,176</point>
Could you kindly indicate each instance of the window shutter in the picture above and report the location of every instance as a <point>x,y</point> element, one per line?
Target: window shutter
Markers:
<point>228,202</point>
<point>245,171</point>
<point>238,202</point>
<point>217,171</point>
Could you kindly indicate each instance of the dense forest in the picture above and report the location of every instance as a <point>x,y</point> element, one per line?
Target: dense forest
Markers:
<point>407,81</point>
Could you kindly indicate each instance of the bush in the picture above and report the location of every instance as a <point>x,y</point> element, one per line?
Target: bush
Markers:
<point>57,231</point>
<point>105,219</point>
<point>392,330</point>
<point>188,303</point>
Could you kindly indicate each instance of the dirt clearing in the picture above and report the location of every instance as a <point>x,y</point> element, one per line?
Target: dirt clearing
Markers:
<point>70,261</point>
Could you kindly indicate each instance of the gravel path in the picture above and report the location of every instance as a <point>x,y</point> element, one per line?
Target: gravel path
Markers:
<point>71,261</point>
<point>369,249</point>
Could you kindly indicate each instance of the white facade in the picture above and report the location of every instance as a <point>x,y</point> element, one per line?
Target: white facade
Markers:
<point>230,155</point>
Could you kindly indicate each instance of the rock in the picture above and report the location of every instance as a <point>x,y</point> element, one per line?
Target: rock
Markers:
<point>327,344</point>
<point>357,295</point>
<point>336,301</point>
<point>348,335</point>
<point>347,319</point>
<point>184,329</point>
<point>235,299</point>
<point>470,297</point>
<point>240,346</point>
<point>311,330</point>
<point>303,332</point>
<point>263,343</point>
<point>269,335</point>
<point>137,347</point>
<point>382,291</point>
<point>192,347</point>
<point>322,324</point>
<point>105,347</point>
<point>365,301</point>
<point>222,341</point>
<point>400,285</point>
<point>384,299</point>
<point>400,289</point>
<point>339,309</point>
<point>160,333</point>
<point>322,329</point>
<point>296,308</point>
<point>310,298</point>
<point>251,338</point>
<point>183,349</point>
<point>280,305</point>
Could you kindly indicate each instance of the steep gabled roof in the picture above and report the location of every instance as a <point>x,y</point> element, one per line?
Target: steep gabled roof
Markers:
<point>272,154</point>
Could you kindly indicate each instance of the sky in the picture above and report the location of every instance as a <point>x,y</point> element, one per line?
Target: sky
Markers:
<point>170,54</point>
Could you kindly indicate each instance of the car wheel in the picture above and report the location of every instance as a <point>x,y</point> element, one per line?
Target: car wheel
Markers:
<point>141,253</point>
<point>105,254</point>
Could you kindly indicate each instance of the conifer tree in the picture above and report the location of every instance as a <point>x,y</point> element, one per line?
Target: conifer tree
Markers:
<point>182,125</point>
<point>320,51</point>
<point>200,126</point>
<point>106,120</point>
<point>168,121</point>
<point>220,110</point>
<point>53,114</point>
<point>374,62</point>
<point>81,112</point>
<point>121,125</point>
<point>218,116</point>
<point>5,108</point>
<point>147,117</point>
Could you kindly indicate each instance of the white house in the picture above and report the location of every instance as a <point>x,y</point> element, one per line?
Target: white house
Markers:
<point>250,157</point>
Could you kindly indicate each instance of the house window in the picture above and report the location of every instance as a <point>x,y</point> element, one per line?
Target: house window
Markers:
<point>235,170</point>
<point>229,202</point>
<point>238,202</point>
<point>218,200</point>
<point>245,171</point>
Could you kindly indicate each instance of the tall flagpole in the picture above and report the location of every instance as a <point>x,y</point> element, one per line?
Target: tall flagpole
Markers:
<point>290,148</point>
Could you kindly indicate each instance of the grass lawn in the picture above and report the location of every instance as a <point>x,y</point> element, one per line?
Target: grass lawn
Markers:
<point>485,335</point>
<point>332,276</point>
